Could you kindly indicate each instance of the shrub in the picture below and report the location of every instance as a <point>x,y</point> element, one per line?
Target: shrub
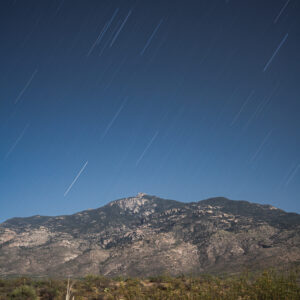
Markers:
<point>24,292</point>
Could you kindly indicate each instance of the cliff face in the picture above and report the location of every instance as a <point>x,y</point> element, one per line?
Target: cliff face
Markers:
<point>146,235</point>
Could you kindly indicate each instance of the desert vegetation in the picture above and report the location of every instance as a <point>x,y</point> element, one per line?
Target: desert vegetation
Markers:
<point>266,285</point>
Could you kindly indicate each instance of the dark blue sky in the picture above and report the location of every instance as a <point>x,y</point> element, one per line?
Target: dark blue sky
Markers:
<point>182,99</point>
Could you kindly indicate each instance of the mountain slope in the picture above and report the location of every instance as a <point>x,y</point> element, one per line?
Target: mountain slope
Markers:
<point>147,235</point>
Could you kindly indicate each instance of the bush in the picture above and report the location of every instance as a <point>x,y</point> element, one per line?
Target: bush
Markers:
<point>24,292</point>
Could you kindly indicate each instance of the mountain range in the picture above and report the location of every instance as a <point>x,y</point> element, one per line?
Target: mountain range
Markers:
<point>146,235</point>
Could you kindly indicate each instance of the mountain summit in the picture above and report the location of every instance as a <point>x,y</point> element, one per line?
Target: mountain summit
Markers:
<point>146,235</point>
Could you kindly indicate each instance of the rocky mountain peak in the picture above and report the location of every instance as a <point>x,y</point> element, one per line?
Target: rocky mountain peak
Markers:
<point>132,204</point>
<point>147,235</point>
<point>141,195</point>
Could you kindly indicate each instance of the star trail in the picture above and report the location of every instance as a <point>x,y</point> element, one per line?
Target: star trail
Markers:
<point>184,100</point>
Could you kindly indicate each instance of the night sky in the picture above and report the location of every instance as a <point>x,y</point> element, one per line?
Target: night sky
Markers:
<point>185,100</point>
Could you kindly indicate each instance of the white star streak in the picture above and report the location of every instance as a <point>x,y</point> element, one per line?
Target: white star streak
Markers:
<point>16,142</point>
<point>242,108</point>
<point>151,37</point>
<point>25,87</point>
<point>102,33</point>
<point>73,182</point>
<point>276,51</point>
<point>113,119</point>
<point>148,146</point>
<point>261,145</point>
<point>281,11</point>
<point>119,30</point>
<point>292,175</point>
